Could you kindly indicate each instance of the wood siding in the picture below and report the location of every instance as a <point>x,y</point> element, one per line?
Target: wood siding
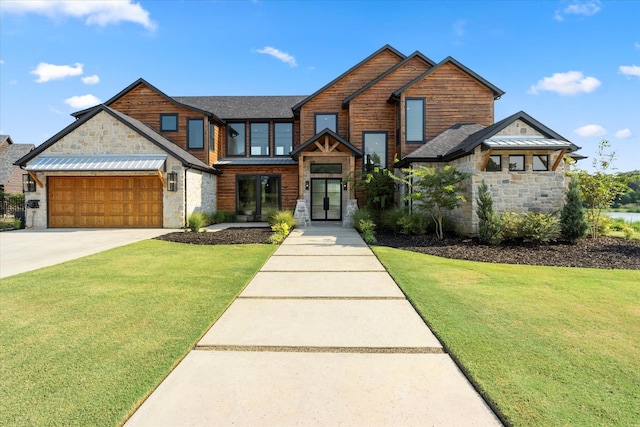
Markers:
<point>330,100</point>
<point>227,184</point>
<point>106,201</point>
<point>145,104</point>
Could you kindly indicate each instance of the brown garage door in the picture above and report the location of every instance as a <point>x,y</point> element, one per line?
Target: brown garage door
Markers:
<point>107,201</point>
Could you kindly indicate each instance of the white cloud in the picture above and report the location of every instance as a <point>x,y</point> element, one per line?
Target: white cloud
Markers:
<point>569,83</point>
<point>630,70</point>
<point>98,12</point>
<point>81,102</point>
<point>637,45</point>
<point>623,133</point>
<point>91,80</point>
<point>1,62</point>
<point>47,72</point>
<point>278,54</point>
<point>591,130</point>
<point>459,27</point>
<point>578,7</point>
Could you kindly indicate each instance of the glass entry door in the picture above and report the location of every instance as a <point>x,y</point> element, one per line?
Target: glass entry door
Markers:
<point>326,199</point>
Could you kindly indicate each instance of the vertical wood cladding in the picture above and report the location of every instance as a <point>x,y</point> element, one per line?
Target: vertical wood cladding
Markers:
<point>145,104</point>
<point>330,100</point>
<point>227,184</point>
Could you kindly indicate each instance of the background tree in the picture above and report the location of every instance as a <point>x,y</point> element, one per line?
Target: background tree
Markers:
<point>489,229</point>
<point>573,225</point>
<point>600,188</point>
<point>436,190</point>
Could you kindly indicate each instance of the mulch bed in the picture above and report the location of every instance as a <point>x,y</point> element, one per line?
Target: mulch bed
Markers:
<point>605,252</point>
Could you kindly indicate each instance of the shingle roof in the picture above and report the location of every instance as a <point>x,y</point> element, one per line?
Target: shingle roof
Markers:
<point>442,144</point>
<point>9,156</point>
<point>244,107</point>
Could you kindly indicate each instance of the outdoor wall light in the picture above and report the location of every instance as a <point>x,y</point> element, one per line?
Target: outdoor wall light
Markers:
<point>28,183</point>
<point>306,185</point>
<point>344,186</point>
<point>172,181</point>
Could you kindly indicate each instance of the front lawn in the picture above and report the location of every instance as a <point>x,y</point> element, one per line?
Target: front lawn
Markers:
<point>84,342</point>
<point>545,345</point>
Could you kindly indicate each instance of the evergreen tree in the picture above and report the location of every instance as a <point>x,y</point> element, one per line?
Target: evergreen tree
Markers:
<point>573,225</point>
<point>489,230</point>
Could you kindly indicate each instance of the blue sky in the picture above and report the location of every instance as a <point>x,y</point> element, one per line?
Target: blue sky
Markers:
<point>573,65</point>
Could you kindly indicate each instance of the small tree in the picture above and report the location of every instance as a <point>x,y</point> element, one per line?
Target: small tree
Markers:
<point>489,229</point>
<point>436,190</point>
<point>600,189</point>
<point>573,225</point>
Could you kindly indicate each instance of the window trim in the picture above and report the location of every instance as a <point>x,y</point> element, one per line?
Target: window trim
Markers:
<point>524,163</point>
<point>189,120</point>
<point>315,122</point>
<point>486,169</point>
<point>268,139</point>
<point>244,150</point>
<point>386,147</point>
<point>163,115</point>
<point>424,125</point>
<point>533,163</point>
<point>258,189</point>
<point>275,146</point>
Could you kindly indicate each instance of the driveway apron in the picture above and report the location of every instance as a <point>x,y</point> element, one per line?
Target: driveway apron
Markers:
<point>322,336</point>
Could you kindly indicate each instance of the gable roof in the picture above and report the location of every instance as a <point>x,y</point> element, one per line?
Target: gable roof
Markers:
<point>187,159</point>
<point>12,153</point>
<point>415,54</point>
<point>244,107</point>
<point>349,71</point>
<point>460,140</point>
<point>326,132</point>
<point>497,92</point>
<point>142,81</point>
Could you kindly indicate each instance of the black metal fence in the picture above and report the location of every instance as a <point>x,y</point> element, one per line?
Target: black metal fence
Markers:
<point>12,208</point>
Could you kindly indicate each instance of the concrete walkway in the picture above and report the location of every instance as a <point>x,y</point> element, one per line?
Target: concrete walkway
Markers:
<point>322,336</point>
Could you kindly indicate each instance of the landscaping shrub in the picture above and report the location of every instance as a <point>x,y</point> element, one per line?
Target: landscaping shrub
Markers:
<point>573,226</point>
<point>628,231</point>
<point>510,224</point>
<point>599,224</point>
<point>538,228</point>
<point>361,215</point>
<point>218,217</point>
<point>489,230</point>
<point>390,219</point>
<point>367,228</point>
<point>195,221</point>
<point>282,217</point>
<point>413,223</point>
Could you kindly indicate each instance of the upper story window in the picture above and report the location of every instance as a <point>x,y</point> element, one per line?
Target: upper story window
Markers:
<point>516,163</point>
<point>195,133</point>
<point>212,137</point>
<point>494,164</point>
<point>283,138</point>
<point>414,117</point>
<point>235,139</point>
<point>540,162</point>
<point>326,120</point>
<point>374,145</point>
<point>259,139</point>
<point>168,122</point>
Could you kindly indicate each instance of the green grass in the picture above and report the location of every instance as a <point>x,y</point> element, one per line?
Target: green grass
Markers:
<point>545,345</point>
<point>84,342</point>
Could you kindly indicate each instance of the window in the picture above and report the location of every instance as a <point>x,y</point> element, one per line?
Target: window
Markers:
<point>259,139</point>
<point>168,122</point>
<point>414,120</point>
<point>283,135</point>
<point>212,137</point>
<point>516,163</point>
<point>335,168</point>
<point>375,149</point>
<point>326,120</point>
<point>494,164</point>
<point>195,133</point>
<point>257,194</point>
<point>235,139</point>
<point>540,162</point>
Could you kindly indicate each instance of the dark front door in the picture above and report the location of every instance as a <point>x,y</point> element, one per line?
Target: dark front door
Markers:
<point>326,199</point>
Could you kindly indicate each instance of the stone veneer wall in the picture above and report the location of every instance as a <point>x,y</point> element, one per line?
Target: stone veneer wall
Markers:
<point>105,135</point>
<point>201,192</point>
<point>526,191</point>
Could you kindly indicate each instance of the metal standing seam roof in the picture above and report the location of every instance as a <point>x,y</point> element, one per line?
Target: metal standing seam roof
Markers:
<point>107,162</point>
<point>525,143</point>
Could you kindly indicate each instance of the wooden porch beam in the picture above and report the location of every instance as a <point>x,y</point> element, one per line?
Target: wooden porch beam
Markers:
<point>35,178</point>
<point>164,184</point>
<point>485,162</point>
<point>559,159</point>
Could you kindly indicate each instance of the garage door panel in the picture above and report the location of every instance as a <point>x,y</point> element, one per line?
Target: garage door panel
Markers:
<point>130,202</point>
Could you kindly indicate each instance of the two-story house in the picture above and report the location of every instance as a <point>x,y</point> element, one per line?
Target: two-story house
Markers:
<point>147,159</point>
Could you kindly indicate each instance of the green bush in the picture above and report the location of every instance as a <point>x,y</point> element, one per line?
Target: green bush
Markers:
<point>510,224</point>
<point>617,224</point>
<point>539,228</point>
<point>573,226</point>
<point>489,229</point>
<point>628,231</point>
<point>280,231</point>
<point>367,228</point>
<point>282,217</point>
<point>390,219</point>
<point>195,221</point>
<point>413,224</point>
<point>604,223</point>
<point>360,215</point>
<point>218,217</point>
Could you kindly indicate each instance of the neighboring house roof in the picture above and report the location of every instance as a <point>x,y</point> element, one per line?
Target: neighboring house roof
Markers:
<point>460,140</point>
<point>346,73</point>
<point>244,107</point>
<point>296,153</point>
<point>8,157</point>
<point>187,159</point>
<point>415,54</point>
<point>497,92</point>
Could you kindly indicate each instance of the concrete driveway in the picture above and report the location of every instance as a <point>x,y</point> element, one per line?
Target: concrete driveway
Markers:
<point>26,250</point>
